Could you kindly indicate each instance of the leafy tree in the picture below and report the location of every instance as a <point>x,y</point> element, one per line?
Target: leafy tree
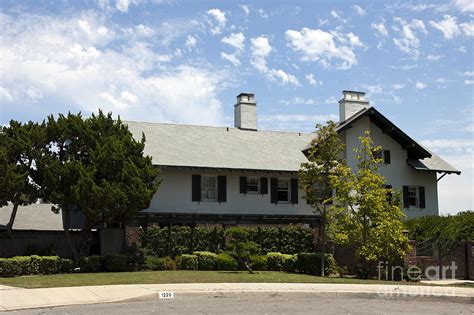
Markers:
<point>367,214</point>
<point>20,149</point>
<point>240,247</point>
<point>324,157</point>
<point>97,169</point>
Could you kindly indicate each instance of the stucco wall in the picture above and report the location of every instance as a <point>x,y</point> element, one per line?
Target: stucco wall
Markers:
<point>174,195</point>
<point>398,173</point>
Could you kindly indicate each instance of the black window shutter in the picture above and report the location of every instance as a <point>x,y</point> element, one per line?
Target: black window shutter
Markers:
<point>264,185</point>
<point>196,188</point>
<point>405,197</point>
<point>243,184</point>
<point>274,190</point>
<point>294,190</point>
<point>386,156</point>
<point>421,191</point>
<point>222,188</point>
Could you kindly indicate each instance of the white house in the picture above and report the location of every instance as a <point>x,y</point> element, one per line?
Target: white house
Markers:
<point>246,175</point>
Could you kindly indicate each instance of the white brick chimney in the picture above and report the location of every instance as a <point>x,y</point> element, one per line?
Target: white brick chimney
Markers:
<point>351,103</point>
<point>245,112</point>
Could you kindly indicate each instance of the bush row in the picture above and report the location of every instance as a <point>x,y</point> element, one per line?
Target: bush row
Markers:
<point>178,240</point>
<point>30,265</point>
<point>309,263</point>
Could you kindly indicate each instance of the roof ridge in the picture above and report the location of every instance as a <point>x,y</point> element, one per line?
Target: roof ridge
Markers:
<point>217,127</point>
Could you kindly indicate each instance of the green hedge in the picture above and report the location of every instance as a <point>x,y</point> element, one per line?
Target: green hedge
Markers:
<point>310,263</point>
<point>258,262</point>
<point>177,240</point>
<point>187,262</point>
<point>155,263</point>
<point>281,262</point>
<point>115,263</point>
<point>30,265</point>
<point>206,260</point>
<point>225,261</point>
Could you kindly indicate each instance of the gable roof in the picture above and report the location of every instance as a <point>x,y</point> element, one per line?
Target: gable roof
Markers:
<point>414,149</point>
<point>221,147</point>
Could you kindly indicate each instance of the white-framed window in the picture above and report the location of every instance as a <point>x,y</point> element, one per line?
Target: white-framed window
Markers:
<point>413,197</point>
<point>253,185</point>
<point>283,191</point>
<point>208,188</point>
<point>319,191</point>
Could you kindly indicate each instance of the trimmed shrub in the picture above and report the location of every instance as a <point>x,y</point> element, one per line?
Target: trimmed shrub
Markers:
<point>206,260</point>
<point>115,262</point>
<point>47,264</point>
<point>8,268</point>
<point>258,262</point>
<point>25,265</point>
<point>226,262</point>
<point>310,263</point>
<point>67,265</point>
<point>155,263</point>
<point>187,262</point>
<point>91,264</point>
<point>281,262</point>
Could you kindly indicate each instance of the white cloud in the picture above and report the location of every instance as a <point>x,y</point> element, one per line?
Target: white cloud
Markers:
<point>448,26</point>
<point>467,28</point>
<point>262,13</point>
<point>433,57</point>
<point>261,48</point>
<point>231,58</point>
<point>283,76</point>
<point>312,80</point>
<point>373,89</point>
<point>122,5</point>
<point>235,40</point>
<point>464,5</point>
<point>5,94</point>
<point>298,118</point>
<point>420,85</point>
<point>245,8</point>
<point>318,45</point>
<point>336,15</point>
<point>442,80</point>
<point>380,27</point>
<point>461,49</point>
<point>191,41</point>
<point>331,100</point>
<point>409,42</point>
<point>218,21</point>
<point>468,82</point>
<point>398,86</point>
<point>300,101</point>
<point>358,10</point>
<point>468,73</point>
<point>71,62</point>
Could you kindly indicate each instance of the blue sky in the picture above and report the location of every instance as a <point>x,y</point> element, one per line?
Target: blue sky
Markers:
<point>185,61</point>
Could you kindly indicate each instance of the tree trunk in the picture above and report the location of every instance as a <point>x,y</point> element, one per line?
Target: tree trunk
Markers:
<point>323,240</point>
<point>67,224</point>
<point>12,220</point>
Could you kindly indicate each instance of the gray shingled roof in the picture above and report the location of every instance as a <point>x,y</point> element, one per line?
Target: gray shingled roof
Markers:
<point>435,163</point>
<point>37,217</point>
<point>221,147</point>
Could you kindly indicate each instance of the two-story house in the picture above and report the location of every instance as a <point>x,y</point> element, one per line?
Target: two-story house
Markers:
<point>243,175</point>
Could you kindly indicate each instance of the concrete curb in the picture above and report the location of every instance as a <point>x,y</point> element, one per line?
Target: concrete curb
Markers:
<point>16,299</point>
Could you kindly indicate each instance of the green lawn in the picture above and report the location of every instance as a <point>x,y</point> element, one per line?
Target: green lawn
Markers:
<point>181,276</point>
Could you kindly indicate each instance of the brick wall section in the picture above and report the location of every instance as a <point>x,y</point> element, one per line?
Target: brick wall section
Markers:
<point>132,235</point>
<point>410,259</point>
<point>462,256</point>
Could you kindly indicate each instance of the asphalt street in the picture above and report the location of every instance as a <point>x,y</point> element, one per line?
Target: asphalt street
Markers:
<point>265,303</point>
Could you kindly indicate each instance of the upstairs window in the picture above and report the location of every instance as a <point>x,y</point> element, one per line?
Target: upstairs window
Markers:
<point>414,197</point>
<point>253,186</point>
<point>283,190</point>
<point>384,155</point>
<point>208,188</point>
